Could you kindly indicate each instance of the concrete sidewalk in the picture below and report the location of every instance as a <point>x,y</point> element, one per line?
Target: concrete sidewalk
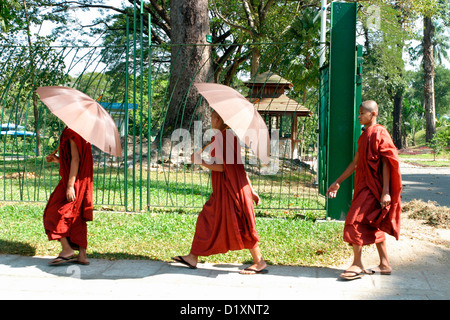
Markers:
<point>425,183</point>
<point>418,274</point>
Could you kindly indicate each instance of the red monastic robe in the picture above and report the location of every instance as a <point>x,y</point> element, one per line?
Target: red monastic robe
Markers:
<point>227,220</point>
<point>68,219</point>
<point>366,222</point>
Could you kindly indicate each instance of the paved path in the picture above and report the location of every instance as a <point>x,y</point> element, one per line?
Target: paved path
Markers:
<point>426,183</point>
<point>420,272</point>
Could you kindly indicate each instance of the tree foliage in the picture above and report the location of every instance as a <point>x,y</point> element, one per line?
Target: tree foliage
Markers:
<point>240,31</point>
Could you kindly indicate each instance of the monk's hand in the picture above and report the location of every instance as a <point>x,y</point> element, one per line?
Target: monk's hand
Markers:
<point>333,189</point>
<point>52,158</point>
<point>256,197</point>
<point>385,200</point>
<point>70,194</point>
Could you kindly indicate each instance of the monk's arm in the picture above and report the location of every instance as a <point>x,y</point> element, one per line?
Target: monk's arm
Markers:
<point>74,165</point>
<point>334,187</point>
<point>385,196</point>
<point>213,167</point>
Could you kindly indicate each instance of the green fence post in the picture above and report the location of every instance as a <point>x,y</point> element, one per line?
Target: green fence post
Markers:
<point>323,129</point>
<point>342,103</point>
<point>125,103</point>
<point>149,88</point>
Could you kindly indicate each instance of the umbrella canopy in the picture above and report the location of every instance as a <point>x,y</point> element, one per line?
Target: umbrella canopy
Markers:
<point>83,115</point>
<point>240,115</point>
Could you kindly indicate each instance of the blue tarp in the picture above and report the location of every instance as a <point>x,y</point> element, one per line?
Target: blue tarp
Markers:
<point>118,106</point>
<point>11,126</point>
<point>21,133</point>
<point>12,129</point>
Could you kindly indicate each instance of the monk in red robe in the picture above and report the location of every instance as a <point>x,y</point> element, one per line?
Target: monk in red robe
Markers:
<point>227,221</point>
<point>376,206</point>
<point>70,204</point>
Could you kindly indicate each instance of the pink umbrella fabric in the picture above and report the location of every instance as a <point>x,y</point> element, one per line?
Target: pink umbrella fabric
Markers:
<point>240,115</point>
<point>83,115</point>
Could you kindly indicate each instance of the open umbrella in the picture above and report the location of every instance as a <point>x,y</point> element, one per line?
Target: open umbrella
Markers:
<point>83,115</point>
<point>240,115</point>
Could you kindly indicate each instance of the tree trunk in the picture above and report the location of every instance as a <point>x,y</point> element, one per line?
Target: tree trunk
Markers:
<point>256,60</point>
<point>190,63</point>
<point>397,119</point>
<point>428,68</point>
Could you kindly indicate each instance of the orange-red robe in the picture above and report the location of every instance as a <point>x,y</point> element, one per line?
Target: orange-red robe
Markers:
<point>366,222</point>
<point>68,219</point>
<point>227,220</point>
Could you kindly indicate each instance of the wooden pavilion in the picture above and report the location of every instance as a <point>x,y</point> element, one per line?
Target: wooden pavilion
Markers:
<point>267,93</point>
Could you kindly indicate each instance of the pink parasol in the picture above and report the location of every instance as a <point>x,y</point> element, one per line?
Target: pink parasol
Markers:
<point>83,115</point>
<point>240,115</point>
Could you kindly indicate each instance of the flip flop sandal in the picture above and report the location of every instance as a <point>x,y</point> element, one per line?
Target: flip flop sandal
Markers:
<point>181,260</point>
<point>354,275</point>
<point>61,260</point>
<point>254,271</point>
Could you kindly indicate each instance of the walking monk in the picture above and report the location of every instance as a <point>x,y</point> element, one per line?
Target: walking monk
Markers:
<point>376,206</point>
<point>70,204</point>
<point>227,221</point>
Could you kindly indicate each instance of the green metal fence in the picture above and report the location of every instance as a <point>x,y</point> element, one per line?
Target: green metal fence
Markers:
<point>138,85</point>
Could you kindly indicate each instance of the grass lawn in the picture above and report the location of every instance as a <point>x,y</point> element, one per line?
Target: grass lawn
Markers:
<point>161,235</point>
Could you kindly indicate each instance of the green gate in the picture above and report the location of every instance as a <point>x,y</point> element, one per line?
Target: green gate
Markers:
<point>340,98</point>
<point>136,84</point>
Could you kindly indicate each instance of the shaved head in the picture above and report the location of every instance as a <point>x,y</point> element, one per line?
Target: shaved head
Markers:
<point>370,105</point>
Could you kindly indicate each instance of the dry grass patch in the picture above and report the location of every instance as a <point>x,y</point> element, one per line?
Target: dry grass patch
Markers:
<point>432,213</point>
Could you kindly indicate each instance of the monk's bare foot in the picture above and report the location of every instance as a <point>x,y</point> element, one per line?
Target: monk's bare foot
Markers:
<point>381,269</point>
<point>82,257</point>
<point>259,267</point>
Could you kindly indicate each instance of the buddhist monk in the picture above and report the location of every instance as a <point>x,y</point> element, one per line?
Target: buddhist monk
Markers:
<point>227,220</point>
<point>70,204</point>
<point>376,206</point>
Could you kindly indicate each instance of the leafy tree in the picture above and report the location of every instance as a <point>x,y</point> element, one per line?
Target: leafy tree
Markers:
<point>430,10</point>
<point>231,27</point>
<point>259,21</point>
<point>412,115</point>
<point>7,14</point>
<point>440,141</point>
<point>415,81</point>
<point>34,64</point>
<point>383,61</point>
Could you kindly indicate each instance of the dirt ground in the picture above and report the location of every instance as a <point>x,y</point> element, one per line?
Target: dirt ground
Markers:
<point>418,230</point>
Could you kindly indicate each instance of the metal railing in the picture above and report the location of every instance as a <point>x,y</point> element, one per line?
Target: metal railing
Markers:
<point>137,84</point>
